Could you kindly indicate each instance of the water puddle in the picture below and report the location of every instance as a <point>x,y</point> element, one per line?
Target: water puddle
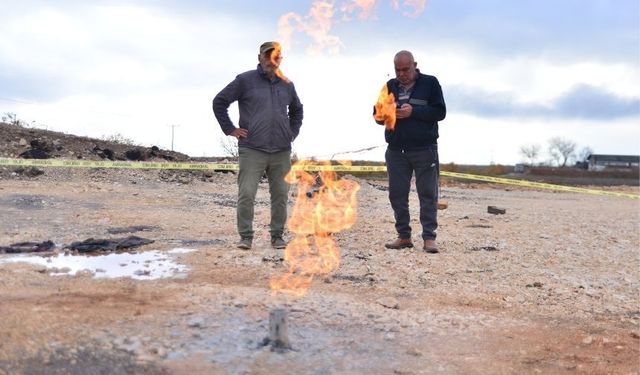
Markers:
<point>148,265</point>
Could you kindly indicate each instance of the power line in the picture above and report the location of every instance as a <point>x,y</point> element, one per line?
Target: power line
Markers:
<point>350,152</point>
<point>16,101</point>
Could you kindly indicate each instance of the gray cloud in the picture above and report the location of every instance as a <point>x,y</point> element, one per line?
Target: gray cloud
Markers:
<point>589,102</point>
<point>567,30</point>
<point>581,102</point>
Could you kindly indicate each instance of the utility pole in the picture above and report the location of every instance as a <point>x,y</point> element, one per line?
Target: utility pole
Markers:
<point>173,126</point>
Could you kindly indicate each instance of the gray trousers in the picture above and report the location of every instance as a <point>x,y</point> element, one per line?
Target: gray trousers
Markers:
<point>400,168</point>
<point>253,165</point>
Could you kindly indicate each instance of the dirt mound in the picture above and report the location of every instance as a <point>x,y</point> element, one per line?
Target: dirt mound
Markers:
<point>31,143</point>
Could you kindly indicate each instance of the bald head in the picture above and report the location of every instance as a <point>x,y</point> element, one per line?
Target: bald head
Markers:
<point>405,67</point>
<point>404,55</point>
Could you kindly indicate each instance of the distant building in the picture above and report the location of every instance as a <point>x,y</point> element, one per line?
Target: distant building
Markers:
<point>599,162</point>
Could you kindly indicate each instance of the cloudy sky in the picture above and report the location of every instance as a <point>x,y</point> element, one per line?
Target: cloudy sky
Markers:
<point>513,73</point>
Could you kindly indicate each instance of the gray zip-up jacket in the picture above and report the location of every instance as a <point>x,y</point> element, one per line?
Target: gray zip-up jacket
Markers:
<point>270,110</point>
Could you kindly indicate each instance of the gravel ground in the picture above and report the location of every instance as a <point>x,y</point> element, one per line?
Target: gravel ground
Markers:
<point>549,287</point>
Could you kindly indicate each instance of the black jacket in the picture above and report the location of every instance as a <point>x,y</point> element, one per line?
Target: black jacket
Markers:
<point>420,130</point>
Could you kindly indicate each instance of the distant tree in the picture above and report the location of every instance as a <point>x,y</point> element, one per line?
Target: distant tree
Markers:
<point>530,153</point>
<point>12,118</point>
<point>561,150</point>
<point>118,138</point>
<point>229,146</point>
<point>584,153</point>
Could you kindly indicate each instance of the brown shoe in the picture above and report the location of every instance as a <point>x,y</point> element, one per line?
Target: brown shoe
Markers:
<point>399,243</point>
<point>430,246</point>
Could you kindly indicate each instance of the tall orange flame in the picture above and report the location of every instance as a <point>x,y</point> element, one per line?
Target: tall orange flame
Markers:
<point>317,25</point>
<point>386,108</point>
<point>276,58</point>
<point>324,205</point>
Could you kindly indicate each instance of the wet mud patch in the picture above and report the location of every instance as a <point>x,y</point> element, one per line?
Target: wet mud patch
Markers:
<point>148,265</point>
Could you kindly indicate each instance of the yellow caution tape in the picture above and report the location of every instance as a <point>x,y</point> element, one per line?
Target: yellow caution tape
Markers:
<point>170,165</point>
<point>115,164</point>
<point>310,168</point>
<point>539,185</point>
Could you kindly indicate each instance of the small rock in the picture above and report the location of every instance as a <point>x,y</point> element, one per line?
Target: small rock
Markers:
<point>196,322</point>
<point>496,211</point>
<point>389,302</point>
<point>587,340</point>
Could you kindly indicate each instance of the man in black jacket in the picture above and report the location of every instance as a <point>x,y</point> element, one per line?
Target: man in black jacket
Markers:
<point>412,148</point>
<point>270,119</point>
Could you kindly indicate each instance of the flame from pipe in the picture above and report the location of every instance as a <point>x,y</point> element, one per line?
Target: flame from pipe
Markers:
<point>329,209</point>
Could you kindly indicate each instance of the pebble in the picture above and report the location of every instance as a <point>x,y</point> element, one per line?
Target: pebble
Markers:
<point>389,302</point>
<point>196,322</point>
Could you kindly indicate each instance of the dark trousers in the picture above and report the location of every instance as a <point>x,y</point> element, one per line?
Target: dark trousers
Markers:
<point>401,165</point>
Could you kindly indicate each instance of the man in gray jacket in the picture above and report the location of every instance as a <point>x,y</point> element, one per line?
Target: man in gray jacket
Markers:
<point>270,119</point>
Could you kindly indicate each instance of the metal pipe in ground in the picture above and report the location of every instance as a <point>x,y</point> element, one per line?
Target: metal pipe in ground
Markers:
<point>278,332</point>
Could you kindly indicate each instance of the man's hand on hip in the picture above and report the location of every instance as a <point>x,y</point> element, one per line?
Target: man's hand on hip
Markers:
<point>239,133</point>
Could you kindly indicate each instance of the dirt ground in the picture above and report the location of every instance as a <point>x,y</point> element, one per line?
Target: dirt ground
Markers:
<point>550,287</point>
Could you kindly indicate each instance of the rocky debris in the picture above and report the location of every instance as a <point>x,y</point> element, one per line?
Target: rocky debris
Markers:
<point>226,200</point>
<point>185,177</point>
<point>113,244</point>
<point>389,302</point>
<point>28,172</point>
<point>536,284</point>
<point>133,228</point>
<point>356,279</point>
<point>479,225</point>
<point>196,322</point>
<point>273,259</point>
<point>495,210</point>
<point>378,186</point>
<point>485,248</point>
<point>136,154</point>
<point>196,243</point>
<point>155,151</point>
<point>141,154</point>
<point>103,153</point>
<point>82,358</point>
<point>38,150</point>
<point>34,143</point>
<point>28,247</point>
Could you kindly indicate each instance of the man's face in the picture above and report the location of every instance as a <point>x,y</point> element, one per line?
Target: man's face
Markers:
<point>270,61</point>
<point>405,69</point>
